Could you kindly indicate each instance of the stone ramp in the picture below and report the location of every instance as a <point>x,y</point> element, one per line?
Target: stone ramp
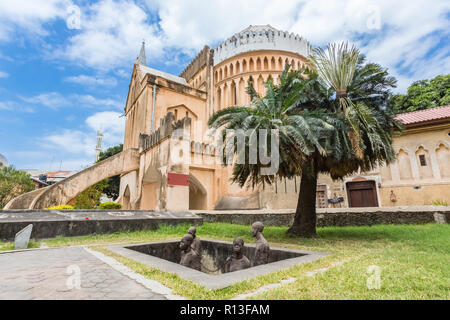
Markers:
<point>65,190</point>
<point>68,223</point>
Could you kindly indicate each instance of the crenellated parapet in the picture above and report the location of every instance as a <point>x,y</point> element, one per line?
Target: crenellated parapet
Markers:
<point>202,59</point>
<point>261,38</point>
<point>166,128</point>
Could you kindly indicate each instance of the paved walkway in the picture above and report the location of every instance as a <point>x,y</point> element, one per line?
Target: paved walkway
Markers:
<point>65,273</point>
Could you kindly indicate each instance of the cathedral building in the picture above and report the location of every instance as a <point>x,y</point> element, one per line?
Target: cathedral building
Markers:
<point>159,102</point>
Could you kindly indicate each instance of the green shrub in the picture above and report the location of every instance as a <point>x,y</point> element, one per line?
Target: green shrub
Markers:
<point>440,203</point>
<point>110,205</point>
<point>62,207</point>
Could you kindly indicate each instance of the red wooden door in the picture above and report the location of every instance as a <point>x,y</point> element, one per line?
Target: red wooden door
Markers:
<point>362,194</point>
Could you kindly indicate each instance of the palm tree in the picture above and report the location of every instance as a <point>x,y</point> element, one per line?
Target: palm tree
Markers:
<point>331,117</point>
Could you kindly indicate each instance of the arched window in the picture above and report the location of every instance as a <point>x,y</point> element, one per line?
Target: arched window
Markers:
<point>251,65</point>
<point>292,64</point>
<point>443,159</point>
<point>261,89</point>
<point>244,66</point>
<point>220,75</point>
<point>266,63</point>
<point>242,99</point>
<point>218,98</point>
<point>225,72</point>
<point>233,94</point>
<point>231,70</point>
<point>299,65</point>
<point>258,64</point>
<point>273,64</point>
<point>280,64</point>
<point>404,164</point>
<point>238,67</point>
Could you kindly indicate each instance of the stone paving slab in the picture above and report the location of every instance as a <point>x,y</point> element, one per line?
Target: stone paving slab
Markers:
<point>45,275</point>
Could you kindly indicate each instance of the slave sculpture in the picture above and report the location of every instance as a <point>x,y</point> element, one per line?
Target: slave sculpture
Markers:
<point>190,246</point>
<point>262,246</point>
<point>196,244</point>
<point>189,258</point>
<point>237,261</point>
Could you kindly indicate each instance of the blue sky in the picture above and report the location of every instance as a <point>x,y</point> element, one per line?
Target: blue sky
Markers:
<point>65,64</point>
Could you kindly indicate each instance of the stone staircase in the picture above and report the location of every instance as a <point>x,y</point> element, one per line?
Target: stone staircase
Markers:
<point>65,190</point>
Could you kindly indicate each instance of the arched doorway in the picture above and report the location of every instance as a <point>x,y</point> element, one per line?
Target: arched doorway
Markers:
<point>197,194</point>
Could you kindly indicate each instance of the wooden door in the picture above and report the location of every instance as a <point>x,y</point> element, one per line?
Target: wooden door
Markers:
<point>321,197</point>
<point>362,194</point>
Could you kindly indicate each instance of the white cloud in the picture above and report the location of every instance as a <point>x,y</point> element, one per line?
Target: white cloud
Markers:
<point>52,100</point>
<point>14,106</point>
<point>400,35</point>
<point>90,101</point>
<point>112,124</point>
<point>92,81</point>
<point>80,143</point>
<point>29,16</point>
<point>192,24</point>
<point>55,100</point>
<point>3,74</point>
<point>110,36</point>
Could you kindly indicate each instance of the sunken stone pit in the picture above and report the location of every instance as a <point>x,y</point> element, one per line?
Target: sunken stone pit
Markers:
<point>166,257</point>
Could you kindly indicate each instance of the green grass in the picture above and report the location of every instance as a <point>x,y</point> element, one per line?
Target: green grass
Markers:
<point>414,261</point>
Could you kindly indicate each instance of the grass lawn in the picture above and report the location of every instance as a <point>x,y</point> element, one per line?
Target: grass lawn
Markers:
<point>414,261</point>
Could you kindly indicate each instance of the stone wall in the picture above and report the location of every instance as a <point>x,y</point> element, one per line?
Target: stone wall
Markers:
<point>334,217</point>
<point>69,223</point>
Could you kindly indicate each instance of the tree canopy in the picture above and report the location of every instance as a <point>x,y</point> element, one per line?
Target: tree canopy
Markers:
<point>424,94</point>
<point>13,183</point>
<point>332,117</point>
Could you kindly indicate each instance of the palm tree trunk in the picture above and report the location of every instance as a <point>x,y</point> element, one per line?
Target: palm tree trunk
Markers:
<point>305,216</point>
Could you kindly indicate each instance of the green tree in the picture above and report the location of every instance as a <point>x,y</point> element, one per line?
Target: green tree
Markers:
<point>113,183</point>
<point>424,94</point>
<point>89,198</point>
<point>332,117</point>
<point>13,183</point>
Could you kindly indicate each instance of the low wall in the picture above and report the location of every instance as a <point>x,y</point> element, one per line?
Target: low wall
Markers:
<point>334,216</point>
<point>68,223</point>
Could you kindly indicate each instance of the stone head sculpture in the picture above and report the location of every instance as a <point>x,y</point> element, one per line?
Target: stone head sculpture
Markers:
<point>192,231</point>
<point>238,244</point>
<point>186,242</point>
<point>237,261</point>
<point>257,227</point>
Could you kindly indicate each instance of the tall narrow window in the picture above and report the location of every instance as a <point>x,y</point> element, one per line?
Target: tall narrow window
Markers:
<point>423,161</point>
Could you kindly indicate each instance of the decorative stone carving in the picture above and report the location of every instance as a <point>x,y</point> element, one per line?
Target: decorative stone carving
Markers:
<point>189,258</point>
<point>237,261</point>
<point>262,246</point>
